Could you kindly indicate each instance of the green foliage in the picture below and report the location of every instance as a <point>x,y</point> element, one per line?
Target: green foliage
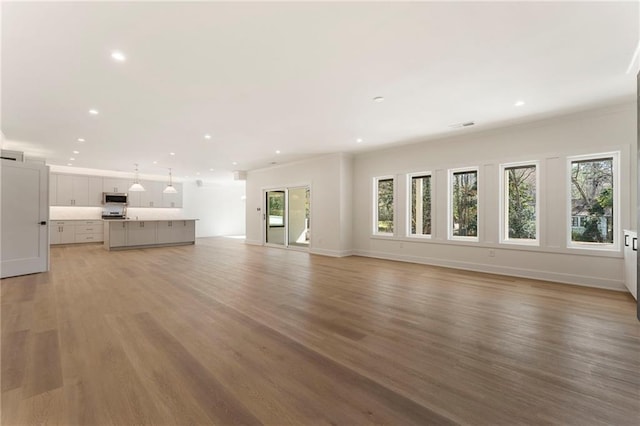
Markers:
<point>426,204</point>
<point>385,205</point>
<point>522,202</point>
<point>592,199</point>
<point>465,204</point>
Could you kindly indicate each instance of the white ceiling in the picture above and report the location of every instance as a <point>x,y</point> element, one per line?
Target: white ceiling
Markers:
<point>294,77</point>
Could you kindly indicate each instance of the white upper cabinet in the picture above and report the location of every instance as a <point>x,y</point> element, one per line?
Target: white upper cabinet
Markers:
<point>80,190</point>
<point>71,190</point>
<point>173,200</point>
<point>95,191</point>
<point>116,184</point>
<point>150,197</point>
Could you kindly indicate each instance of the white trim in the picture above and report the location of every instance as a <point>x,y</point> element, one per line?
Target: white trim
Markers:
<point>331,253</point>
<point>504,239</point>
<point>450,173</point>
<point>580,280</point>
<point>617,205</point>
<point>409,203</point>
<point>374,225</point>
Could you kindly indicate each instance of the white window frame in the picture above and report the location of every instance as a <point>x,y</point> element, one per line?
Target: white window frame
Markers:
<point>450,174</point>
<point>410,177</point>
<point>615,246</point>
<point>375,206</point>
<point>504,206</point>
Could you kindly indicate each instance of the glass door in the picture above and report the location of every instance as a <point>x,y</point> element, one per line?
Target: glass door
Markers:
<point>298,217</point>
<point>275,217</point>
<point>287,217</point>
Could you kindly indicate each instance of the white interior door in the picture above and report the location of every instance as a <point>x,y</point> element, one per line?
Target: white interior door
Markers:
<point>24,208</point>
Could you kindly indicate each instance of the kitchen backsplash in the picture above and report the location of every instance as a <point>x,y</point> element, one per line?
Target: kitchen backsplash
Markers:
<point>71,213</point>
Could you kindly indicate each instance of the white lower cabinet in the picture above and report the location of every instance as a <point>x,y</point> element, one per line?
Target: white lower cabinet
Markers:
<point>75,231</point>
<point>137,233</point>
<point>62,232</point>
<point>631,262</point>
<point>141,233</point>
<point>115,233</point>
<point>176,231</point>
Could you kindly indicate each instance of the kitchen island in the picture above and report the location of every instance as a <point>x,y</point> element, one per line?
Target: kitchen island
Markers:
<point>122,234</point>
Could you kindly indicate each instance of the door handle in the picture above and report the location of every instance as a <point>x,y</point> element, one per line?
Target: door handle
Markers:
<point>634,244</point>
<point>43,222</point>
<point>626,240</point>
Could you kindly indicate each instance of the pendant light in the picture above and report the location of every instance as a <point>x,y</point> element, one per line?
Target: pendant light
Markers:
<point>136,187</point>
<point>170,189</point>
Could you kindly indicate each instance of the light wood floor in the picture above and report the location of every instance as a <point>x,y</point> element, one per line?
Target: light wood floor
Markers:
<point>225,333</point>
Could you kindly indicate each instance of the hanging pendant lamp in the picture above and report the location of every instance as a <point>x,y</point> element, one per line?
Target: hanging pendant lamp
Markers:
<point>136,186</point>
<point>170,189</point>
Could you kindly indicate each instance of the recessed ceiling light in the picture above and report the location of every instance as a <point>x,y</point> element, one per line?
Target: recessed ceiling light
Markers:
<point>155,162</point>
<point>72,159</point>
<point>277,151</point>
<point>69,164</point>
<point>235,163</point>
<point>207,136</point>
<point>519,103</point>
<point>93,112</point>
<point>118,56</point>
<point>198,173</point>
<point>378,99</point>
<point>76,152</point>
<point>172,153</point>
<point>359,140</point>
<point>80,139</point>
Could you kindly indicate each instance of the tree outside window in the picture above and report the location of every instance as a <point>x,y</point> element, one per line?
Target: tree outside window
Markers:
<point>592,200</point>
<point>385,206</point>
<point>464,204</point>
<point>520,193</point>
<point>421,205</point>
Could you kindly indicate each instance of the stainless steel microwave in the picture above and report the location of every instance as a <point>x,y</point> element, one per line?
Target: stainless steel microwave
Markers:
<point>115,198</point>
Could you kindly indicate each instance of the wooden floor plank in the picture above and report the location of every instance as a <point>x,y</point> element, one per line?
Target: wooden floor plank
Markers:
<point>227,333</point>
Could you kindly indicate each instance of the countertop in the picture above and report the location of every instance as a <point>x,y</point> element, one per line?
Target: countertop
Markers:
<point>120,220</point>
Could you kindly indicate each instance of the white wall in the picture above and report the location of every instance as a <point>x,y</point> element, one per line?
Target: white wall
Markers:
<point>549,142</point>
<point>220,207</point>
<point>328,178</point>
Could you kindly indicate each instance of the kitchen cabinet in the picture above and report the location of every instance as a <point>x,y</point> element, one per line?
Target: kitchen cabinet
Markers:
<point>88,231</point>
<point>151,197</point>
<point>116,184</point>
<point>70,190</point>
<point>148,233</point>
<point>173,200</point>
<point>631,262</point>
<point>81,190</point>
<point>141,233</point>
<point>75,231</point>
<point>115,233</point>
<point>95,191</point>
<point>62,232</point>
<point>176,231</point>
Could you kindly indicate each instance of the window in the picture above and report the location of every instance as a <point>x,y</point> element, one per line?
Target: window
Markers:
<point>463,205</point>
<point>420,204</point>
<point>593,200</point>
<point>383,215</point>
<point>519,203</point>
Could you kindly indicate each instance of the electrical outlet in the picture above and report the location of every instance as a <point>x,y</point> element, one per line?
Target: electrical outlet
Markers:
<point>492,253</point>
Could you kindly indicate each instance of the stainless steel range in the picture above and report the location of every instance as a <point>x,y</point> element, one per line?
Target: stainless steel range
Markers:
<point>114,211</point>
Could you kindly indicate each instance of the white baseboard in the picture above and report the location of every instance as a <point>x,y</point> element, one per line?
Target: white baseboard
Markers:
<point>253,242</point>
<point>582,280</point>
<point>332,253</point>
